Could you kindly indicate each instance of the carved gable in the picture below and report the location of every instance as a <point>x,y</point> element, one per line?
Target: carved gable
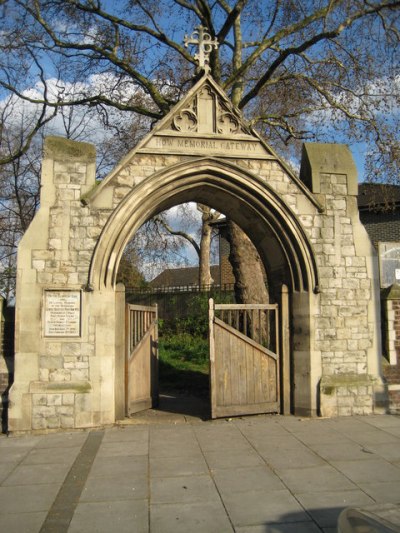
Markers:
<point>207,112</point>
<point>205,123</point>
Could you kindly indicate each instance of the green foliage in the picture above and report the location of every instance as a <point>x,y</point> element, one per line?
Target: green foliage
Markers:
<point>183,344</point>
<point>184,364</point>
<point>129,274</point>
<point>185,348</point>
<point>193,319</point>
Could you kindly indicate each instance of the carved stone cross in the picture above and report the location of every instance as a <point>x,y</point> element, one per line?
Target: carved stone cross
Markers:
<point>203,39</point>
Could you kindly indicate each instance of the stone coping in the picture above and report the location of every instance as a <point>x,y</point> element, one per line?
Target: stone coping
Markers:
<point>60,387</point>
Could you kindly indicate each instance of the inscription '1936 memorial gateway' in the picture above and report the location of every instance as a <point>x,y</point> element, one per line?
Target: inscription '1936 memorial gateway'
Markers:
<point>70,368</point>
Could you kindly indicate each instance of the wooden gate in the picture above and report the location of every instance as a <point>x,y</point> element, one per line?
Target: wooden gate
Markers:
<point>141,375</point>
<point>244,359</point>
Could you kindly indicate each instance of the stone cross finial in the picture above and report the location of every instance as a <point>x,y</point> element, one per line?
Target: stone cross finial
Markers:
<point>203,39</point>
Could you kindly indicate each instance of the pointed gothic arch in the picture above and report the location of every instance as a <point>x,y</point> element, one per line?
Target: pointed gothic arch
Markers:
<point>236,192</point>
<point>72,249</point>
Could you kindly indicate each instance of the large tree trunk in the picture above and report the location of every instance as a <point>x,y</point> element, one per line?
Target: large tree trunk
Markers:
<point>250,286</point>
<point>250,281</point>
<point>208,216</point>
<point>205,279</point>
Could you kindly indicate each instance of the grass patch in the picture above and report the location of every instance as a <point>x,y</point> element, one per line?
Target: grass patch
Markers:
<point>184,364</point>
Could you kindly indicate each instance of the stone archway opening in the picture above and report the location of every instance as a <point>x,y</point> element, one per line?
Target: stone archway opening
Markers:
<point>182,306</point>
<point>282,245</point>
<point>69,309</point>
<point>183,336</point>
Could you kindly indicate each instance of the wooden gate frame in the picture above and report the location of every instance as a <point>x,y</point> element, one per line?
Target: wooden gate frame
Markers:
<point>282,343</point>
<point>141,322</point>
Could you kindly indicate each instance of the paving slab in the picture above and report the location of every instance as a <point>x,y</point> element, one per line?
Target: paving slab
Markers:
<point>315,479</point>
<point>113,488</point>
<point>232,458</point>
<point>325,507</point>
<point>6,469</point>
<point>24,522</point>
<point>27,498</point>
<point>13,455</point>
<point>258,507</point>
<point>37,474</point>
<point>183,489</point>
<point>383,422</point>
<point>223,438</point>
<point>274,443</point>
<point>296,457</point>
<point>62,440</point>
<point>126,434</point>
<point>373,469</point>
<point>393,430</point>
<point>269,474</point>
<point>246,479</point>
<point>338,451</point>
<point>196,517</point>
<point>123,448</point>
<point>166,444</point>
<point>178,466</point>
<point>103,517</point>
<point>53,455</point>
<point>20,441</point>
<point>296,527</point>
<point>387,451</point>
<point>127,466</point>
<point>382,492</point>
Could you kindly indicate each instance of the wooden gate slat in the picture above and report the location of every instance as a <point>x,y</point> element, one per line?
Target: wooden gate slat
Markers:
<point>244,374</point>
<point>250,374</point>
<point>141,358</point>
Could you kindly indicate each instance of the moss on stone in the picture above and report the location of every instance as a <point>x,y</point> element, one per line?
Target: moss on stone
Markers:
<point>77,387</point>
<point>331,383</point>
<point>85,197</point>
<point>60,147</point>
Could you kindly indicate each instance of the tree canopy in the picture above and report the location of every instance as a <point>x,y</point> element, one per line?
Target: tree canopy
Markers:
<point>298,69</point>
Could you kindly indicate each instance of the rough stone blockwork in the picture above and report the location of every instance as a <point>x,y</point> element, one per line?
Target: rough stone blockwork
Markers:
<point>307,231</point>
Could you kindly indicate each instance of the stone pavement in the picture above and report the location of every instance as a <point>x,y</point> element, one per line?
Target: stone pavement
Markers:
<point>262,474</point>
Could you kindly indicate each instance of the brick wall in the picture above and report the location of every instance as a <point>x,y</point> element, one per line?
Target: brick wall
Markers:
<point>381,227</point>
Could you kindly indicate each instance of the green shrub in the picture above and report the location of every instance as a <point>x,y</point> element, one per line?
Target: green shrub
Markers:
<point>184,364</point>
<point>184,347</point>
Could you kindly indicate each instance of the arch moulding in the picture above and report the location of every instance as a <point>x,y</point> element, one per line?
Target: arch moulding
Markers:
<point>236,192</point>
<point>309,239</point>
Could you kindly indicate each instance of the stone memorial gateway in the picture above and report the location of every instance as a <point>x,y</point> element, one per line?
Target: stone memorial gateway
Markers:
<point>70,313</point>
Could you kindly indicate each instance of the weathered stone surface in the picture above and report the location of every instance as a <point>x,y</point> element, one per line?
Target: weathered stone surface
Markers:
<point>82,226</point>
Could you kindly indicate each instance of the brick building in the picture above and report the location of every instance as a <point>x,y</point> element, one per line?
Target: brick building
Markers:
<point>379,207</point>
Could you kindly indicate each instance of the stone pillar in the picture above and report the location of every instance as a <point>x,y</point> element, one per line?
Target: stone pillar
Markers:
<point>52,375</point>
<point>391,328</point>
<point>347,326</point>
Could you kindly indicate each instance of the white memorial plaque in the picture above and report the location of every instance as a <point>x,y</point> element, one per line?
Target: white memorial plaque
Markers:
<point>62,313</point>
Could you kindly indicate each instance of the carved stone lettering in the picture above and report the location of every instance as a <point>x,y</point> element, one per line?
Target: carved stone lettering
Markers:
<point>225,147</point>
<point>62,313</point>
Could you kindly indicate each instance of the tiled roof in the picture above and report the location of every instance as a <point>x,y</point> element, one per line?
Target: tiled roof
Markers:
<point>177,277</point>
<point>378,196</point>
